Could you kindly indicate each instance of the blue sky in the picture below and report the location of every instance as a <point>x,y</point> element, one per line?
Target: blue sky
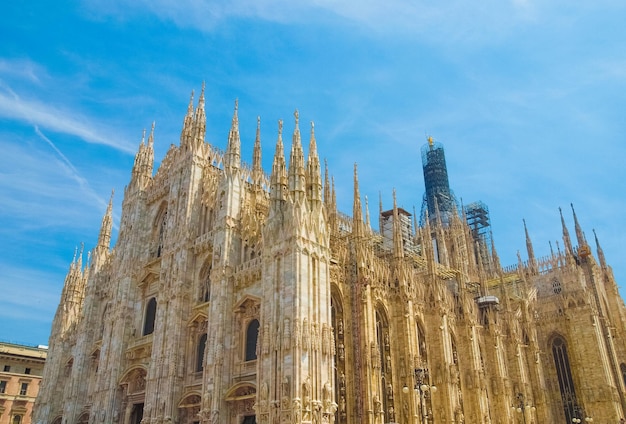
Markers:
<point>528,98</point>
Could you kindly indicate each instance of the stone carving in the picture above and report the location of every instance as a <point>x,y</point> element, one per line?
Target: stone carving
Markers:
<point>327,394</point>
<point>287,333</point>
<point>315,339</point>
<point>306,393</point>
<point>296,408</point>
<point>286,387</point>
<point>306,335</point>
<point>296,334</point>
<point>266,338</point>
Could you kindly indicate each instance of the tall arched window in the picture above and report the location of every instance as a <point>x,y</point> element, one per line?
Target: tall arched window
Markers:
<point>158,232</point>
<point>622,368</point>
<point>252,334</point>
<point>17,419</point>
<point>564,375</point>
<point>421,344</point>
<point>148,324</point>
<point>384,352</point>
<point>200,353</point>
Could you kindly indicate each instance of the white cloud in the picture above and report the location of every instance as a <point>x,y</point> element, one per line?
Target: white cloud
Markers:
<point>53,118</point>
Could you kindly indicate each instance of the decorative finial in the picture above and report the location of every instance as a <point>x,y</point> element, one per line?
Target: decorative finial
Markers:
<point>258,122</point>
<point>190,107</point>
<point>280,127</point>
<point>430,140</point>
<point>297,116</point>
<point>151,137</point>
<point>236,105</point>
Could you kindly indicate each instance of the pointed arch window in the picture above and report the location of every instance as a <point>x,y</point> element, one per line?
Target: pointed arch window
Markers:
<point>421,344</point>
<point>159,227</point>
<point>201,348</point>
<point>150,317</point>
<point>622,368</point>
<point>252,334</point>
<point>564,376</point>
<point>17,419</point>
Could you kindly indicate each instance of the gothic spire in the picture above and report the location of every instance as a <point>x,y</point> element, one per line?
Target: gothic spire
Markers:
<point>144,160</point>
<point>232,159</point>
<point>187,131</point>
<point>381,227</point>
<point>296,165</point>
<point>529,248</point>
<point>601,257</point>
<point>427,244</point>
<point>440,237</point>
<point>148,164</point>
<point>327,196</point>
<point>357,214</point>
<point>566,239</point>
<point>257,170</point>
<point>314,176</point>
<point>494,254</point>
<point>104,239</point>
<point>520,266</point>
<point>333,196</point>
<point>199,124</point>
<point>278,178</point>
<point>580,236</point>
<point>367,215</point>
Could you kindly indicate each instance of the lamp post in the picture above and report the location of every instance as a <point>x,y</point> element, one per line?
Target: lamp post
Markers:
<point>423,389</point>
<point>521,406</point>
<point>579,414</point>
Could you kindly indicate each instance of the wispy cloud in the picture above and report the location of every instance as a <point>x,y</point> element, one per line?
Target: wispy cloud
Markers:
<point>36,113</point>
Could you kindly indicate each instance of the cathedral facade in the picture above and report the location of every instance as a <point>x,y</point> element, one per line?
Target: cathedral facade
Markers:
<point>233,297</point>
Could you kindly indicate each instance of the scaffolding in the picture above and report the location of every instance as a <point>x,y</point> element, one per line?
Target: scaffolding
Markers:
<point>438,197</point>
<point>477,214</point>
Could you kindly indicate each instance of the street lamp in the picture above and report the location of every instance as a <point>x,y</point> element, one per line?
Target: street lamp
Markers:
<point>578,413</point>
<point>423,388</point>
<point>522,406</point>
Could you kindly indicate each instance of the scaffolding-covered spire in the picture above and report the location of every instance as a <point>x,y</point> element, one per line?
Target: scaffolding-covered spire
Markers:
<point>398,246</point>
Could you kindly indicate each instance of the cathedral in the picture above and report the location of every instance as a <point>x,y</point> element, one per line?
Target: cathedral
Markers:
<point>236,297</point>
